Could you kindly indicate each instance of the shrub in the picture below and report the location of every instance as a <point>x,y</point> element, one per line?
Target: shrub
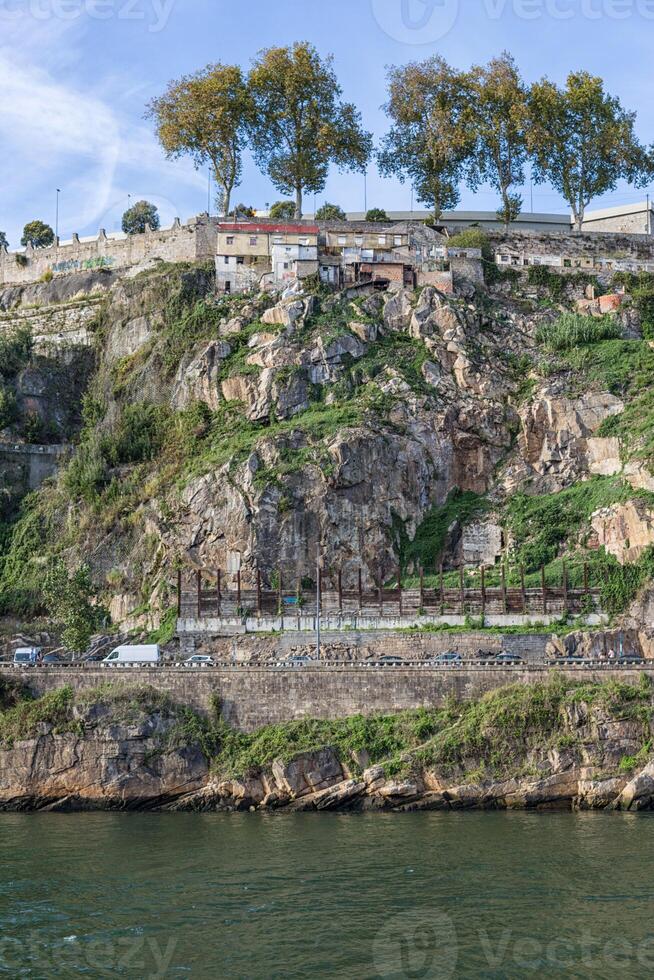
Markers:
<point>8,407</point>
<point>69,600</point>
<point>139,435</point>
<point>575,330</point>
<point>15,352</point>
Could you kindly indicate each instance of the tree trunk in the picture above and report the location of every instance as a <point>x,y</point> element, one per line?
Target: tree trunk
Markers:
<point>578,214</point>
<point>226,200</point>
<point>298,203</point>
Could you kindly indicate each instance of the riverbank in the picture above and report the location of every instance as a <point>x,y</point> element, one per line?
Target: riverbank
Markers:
<point>556,744</point>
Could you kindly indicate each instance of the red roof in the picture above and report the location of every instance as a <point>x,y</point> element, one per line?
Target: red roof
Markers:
<point>252,229</point>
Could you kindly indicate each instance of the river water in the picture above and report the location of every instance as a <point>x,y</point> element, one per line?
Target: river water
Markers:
<point>345,896</point>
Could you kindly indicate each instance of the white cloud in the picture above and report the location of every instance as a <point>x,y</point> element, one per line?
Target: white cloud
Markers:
<point>57,133</point>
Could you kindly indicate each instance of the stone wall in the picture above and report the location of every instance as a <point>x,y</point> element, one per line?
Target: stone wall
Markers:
<point>190,242</point>
<point>253,697</point>
<point>577,244</point>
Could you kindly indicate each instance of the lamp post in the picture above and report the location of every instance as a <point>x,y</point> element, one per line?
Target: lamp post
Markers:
<point>57,214</point>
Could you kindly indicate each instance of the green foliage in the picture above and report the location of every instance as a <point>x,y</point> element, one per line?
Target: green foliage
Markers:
<point>204,116</point>
<point>541,275</point>
<point>620,584</point>
<point>330,212</point>
<point>139,434</point>
<point>299,125</point>
<point>282,211</point>
<point>69,600</point>
<point>141,215</point>
<point>582,141</point>
<point>8,407</point>
<point>427,546</point>
<point>625,368</point>
<point>4,242</point>
<point>15,352</point>
<point>376,214</point>
<point>22,720</point>
<point>576,330</point>
<point>641,288</point>
<point>167,628</point>
<point>541,525</point>
<point>37,234</point>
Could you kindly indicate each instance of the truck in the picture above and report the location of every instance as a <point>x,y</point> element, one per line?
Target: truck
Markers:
<point>133,656</point>
<point>27,656</point>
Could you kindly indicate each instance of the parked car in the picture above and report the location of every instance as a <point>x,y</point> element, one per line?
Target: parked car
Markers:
<point>27,657</point>
<point>199,661</point>
<point>390,661</point>
<point>450,657</point>
<point>298,661</point>
<point>52,659</point>
<point>133,656</point>
<point>508,658</point>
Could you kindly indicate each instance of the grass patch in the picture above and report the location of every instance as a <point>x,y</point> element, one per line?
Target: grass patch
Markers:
<point>573,330</point>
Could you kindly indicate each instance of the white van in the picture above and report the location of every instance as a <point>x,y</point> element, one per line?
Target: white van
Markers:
<point>136,656</point>
<point>27,656</point>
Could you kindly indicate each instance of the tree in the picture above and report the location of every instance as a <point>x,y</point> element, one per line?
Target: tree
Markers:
<point>376,214</point>
<point>583,142</point>
<point>498,118</point>
<point>330,212</point>
<point>300,125</point>
<point>282,211</point>
<point>140,215</point>
<point>37,234</point>
<point>430,140</point>
<point>242,211</point>
<point>70,601</point>
<point>204,115</point>
<point>3,240</point>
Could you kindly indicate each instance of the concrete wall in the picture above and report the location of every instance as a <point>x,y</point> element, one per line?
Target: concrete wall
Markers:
<point>36,463</point>
<point>253,697</point>
<point>180,243</point>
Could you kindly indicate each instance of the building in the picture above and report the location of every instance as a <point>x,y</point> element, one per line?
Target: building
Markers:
<point>627,219</point>
<point>256,255</point>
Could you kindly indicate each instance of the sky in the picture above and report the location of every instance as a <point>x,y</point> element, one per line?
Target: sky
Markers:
<point>76,75</point>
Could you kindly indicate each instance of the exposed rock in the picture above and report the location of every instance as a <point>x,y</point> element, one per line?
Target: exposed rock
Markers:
<point>200,379</point>
<point>626,530</point>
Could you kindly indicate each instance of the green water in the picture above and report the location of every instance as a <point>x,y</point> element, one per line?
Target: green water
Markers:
<point>346,896</point>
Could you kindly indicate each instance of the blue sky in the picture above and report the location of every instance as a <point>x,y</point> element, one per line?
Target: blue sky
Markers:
<point>75,76</point>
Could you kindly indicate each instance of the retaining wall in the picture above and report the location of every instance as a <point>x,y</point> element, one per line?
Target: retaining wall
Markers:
<point>253,697</point>
<point>190,242</point>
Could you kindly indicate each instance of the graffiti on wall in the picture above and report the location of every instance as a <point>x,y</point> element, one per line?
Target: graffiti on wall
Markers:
<point>77,265</point>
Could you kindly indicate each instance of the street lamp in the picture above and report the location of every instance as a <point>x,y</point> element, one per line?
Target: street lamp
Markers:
<point>57,214</point>
<point>318,604</point>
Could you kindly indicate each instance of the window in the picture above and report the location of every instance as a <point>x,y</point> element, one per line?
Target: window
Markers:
<point>304,241</point>
<point>227,260</point>
<point>278,240</point>
<point>286,265</point>
<point>382,239</point>
<point>240,260</point>
<point>358,241</point>
<point>230,239</point>
<point>228,287</point>
<point>342,240</point>
<point>397,240</point>
<point>253,240</point>
<point>505,258</point>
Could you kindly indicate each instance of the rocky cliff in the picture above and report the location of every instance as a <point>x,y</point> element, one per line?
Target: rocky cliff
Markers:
<point>554,745</point>
<point>400,428</point>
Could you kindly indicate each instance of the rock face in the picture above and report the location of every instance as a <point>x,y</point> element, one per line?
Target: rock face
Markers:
<point>625,530</point>
<point>106,762</point>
